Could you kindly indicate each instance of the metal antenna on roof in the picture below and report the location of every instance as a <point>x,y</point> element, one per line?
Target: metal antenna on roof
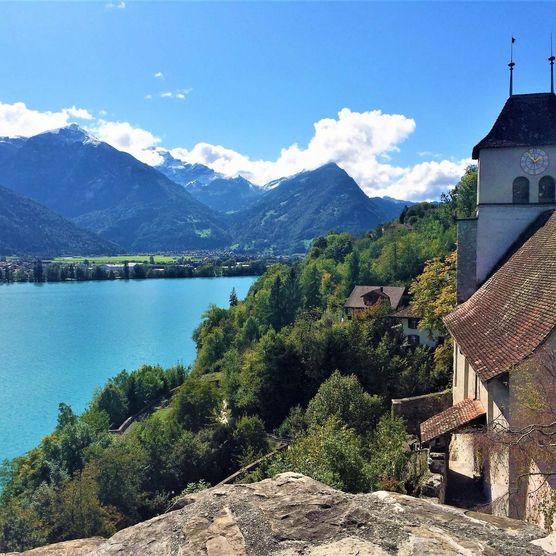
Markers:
<point>511,66</point>
<point>551,60</point>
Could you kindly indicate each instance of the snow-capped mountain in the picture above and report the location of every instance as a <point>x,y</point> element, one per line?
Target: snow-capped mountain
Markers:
<point>220,193</point>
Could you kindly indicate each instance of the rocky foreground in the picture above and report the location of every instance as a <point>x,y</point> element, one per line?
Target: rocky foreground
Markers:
<point>292,515</point>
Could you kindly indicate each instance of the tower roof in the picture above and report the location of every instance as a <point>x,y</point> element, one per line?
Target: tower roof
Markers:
<point>525,121</point>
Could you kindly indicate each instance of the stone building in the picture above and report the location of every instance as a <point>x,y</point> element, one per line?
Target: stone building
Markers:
<point>504,324</point>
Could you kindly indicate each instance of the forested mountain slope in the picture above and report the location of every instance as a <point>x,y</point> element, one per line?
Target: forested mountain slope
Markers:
<point>28,228</point>
<point>296,210</point>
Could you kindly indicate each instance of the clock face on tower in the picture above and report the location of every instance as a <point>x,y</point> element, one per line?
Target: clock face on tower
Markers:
<point>534,161</point>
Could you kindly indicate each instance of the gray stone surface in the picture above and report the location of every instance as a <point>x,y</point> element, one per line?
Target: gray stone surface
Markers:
<point>292,515</point>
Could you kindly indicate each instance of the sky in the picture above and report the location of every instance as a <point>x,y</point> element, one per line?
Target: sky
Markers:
<point>396,93</point>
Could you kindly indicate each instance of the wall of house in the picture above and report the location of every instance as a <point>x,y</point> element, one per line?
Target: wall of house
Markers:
<point>496,472</point>
<point>425,339</point>
<point>500,222</point>
<point>540,506</point>
<point>465,383</point>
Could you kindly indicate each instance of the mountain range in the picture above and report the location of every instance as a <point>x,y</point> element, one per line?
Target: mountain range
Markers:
<point>176,206</point>
<point>108,192</point>
<point>222,194</point>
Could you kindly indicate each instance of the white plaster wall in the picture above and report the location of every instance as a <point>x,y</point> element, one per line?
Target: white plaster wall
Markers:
<point>459,375</point>
<point>499,167</point>
<point>425,339</point>
<point>500,225</point>
<point>540,500</point>
<point>497,480</point>
<point>462,454</point>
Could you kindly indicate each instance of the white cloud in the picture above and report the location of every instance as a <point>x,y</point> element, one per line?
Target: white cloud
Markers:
<point>362,143</point>
<point>159,75</point>
<point>148,97</point>
<point>18,120</point>
<point>102,113</point>
<point>78,113</point>
<point>138,142</point>
<point>116,5</point>
<point>180,94</point>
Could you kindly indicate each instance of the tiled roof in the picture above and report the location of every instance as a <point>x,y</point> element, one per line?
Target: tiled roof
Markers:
<point>451,419</point>
<point>514,311</point>
<point>525,120</point>
<point>406,313</point>
<point>355,299</point>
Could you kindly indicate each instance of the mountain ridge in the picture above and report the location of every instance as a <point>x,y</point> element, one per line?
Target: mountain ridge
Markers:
<point>307,205</point>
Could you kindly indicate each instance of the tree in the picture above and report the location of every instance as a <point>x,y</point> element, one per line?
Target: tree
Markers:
<point>196,403</point>
<point>112,400</point>
<point>250,438</point>
<point>343,397</point>
<point>310,286</point>
<point>434,292</point>
<point>139,271</point>
<point>331,453</point>
<point>233,298</point>
<point>353,269</point>
<point>122,467</point>
<point>79,512</point>
<point>463,198</point>
<point>126,270</point>
<point>389,455</point>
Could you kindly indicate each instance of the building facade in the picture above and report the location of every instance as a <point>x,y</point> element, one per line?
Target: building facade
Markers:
<point>504,324</point>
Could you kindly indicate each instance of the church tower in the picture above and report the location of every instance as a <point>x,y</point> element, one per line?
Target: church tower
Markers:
<point>516,183</point>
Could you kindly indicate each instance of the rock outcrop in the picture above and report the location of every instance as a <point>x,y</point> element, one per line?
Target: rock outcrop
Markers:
<point>292,515</point>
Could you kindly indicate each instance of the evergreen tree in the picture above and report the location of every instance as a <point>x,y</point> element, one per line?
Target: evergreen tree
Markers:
<point>233,298</point>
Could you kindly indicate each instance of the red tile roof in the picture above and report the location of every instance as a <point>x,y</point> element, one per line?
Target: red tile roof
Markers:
<point>451,419</point>
<point>514,311</point>
<point>355,299</point>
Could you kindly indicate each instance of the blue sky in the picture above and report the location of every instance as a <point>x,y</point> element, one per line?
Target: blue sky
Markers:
<point>257,76</point>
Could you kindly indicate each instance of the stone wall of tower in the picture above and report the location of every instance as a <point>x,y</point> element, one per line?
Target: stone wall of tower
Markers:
<point>466,280</point>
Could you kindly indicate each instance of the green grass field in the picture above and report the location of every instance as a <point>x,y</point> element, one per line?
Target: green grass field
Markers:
<point>158,259</point>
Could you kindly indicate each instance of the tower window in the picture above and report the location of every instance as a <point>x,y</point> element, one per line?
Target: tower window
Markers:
<point>521,190</point>
<point>546,189</point>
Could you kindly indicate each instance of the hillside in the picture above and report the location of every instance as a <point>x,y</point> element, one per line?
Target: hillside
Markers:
<point>207,186</point>
<point>109,192</point>
<point>27,228</point>
<point>282,362</point>
<point>295,210</point>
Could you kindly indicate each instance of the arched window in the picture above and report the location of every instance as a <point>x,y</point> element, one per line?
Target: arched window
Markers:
<point>546,189</point>
<point>521,190</point>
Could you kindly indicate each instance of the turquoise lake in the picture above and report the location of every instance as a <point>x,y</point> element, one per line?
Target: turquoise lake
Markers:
<point>60,341</point>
